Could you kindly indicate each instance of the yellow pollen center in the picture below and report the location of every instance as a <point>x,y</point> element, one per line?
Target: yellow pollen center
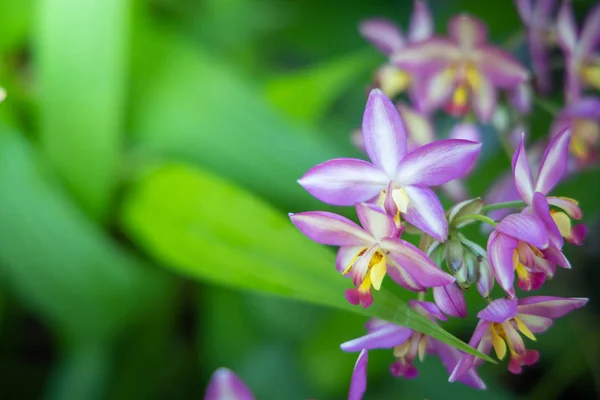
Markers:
<point>590,74</point>
<point>376,271</point>
<point>400,199</point>
<point>393,80</point>
<point>585,134</point>
<point>460,97</point>
<point>563,222</point>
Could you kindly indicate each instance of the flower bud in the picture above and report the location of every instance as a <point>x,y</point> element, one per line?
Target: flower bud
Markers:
<point>454,254</point>
<point>486,278</point>
<point>471,206</point>
<point>472,267</point>
<point>461,277</point>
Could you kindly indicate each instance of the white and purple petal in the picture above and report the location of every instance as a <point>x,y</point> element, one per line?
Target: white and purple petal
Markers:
<point>554,162</point>
<point>346,255</point>
<point>376,221</point>
<point>225,385</point>
<point>499,311</point>
<point>421,23</point>
<point>590,32</point>
<point>358,383</point>
<point>450,357</point>
<point>522,172</point>
<point>426,212</point>
<point>426,57</point>
<point>549,306</point>
<point>416,263</point>
<point>467,31</point>
<point>344,181</point>
<point>524,227</point>
<point>386,337</point>
<point>427,309</point>
<point>382,33</point>
<point>501,250</point>
<point>541,209</point>
<point>332,229</point>
<point>570,206</point>
<point>500,67</point>
<point>383,132</point>
<point>566,28</point>
<point>451,300</point>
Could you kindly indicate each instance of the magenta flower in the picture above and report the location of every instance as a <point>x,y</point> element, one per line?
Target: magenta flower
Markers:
<point>553,167</point>
<point>582,117</point>
<point>402,178</point>
<point>461,71</point>
<point>388,38</point>
<point>581,64</point>
<point>369,254</point>
<point>407,345</point>
<point>502,321</point>
<point>536,16</point>
<point>225,385</point>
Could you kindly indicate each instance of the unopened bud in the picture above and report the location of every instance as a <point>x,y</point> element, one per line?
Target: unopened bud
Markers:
<point>467,207</point>
<point>485,283</point>
<point>454,254</point>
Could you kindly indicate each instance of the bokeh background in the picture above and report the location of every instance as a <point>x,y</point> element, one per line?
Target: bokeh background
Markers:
<point>148,148</point>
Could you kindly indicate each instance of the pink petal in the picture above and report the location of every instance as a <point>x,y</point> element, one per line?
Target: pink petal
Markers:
<point>421,23</point>
<point>403,278</point>
<point>437,163</point>
<point>570,206</point>
<point>383,132</point>
<point>526,228</point>
<point>590,32</point>
<point>521,98</point>
<point>426,57</point>
<point>344,181</point>
<point>513,338</point>
<point>542,211</point>
<point>578,234</point>
<point>382,33</point>
<point>386,337</point>
<point>451,300</point>
<point>500,254</point>
<point>499,311</point>
<point>528,357</point>
<point>467,31</point>
<point>356,297</point>
<point>224,385</point>
<point>556,256</point>
<point>426,212</point>
<point>554,162</point>
<point>566,28</point>
<point>467,361</point>
<point>524,10</point>
<point>549,306</point>
<point>500,67</point>
<point>522,173</point>
<point>484,99</point>
<point>449,357</point>
<point>345,255</point>
<point>427,309</point>
<point>416,263</point>
<point>434,90</point>
<point>465,131</point>
<point>376,221</point>
<point>358,384</point>
<point>332,229</point>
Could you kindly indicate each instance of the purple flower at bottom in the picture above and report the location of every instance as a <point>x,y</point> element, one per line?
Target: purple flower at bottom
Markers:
<point>401,178</point>
<point>407,345</point>
<point>502,321</point>
<point>369,254</point>
<point>225,385</point>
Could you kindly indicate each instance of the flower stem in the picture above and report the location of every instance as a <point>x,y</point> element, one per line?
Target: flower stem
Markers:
<point>500,206</point>
<point>547,106</point>
<point>478,217</point>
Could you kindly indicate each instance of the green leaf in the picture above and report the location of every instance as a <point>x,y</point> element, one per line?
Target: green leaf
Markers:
<point>57,261</point>
<point>308,94</point>
<point>211,230</point>
<point>81,51</point>
<point>187,104</point>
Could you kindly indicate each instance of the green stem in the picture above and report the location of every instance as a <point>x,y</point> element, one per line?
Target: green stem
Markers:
<point>500,206</point>
<point>547,106</point>
<point>478,217</point>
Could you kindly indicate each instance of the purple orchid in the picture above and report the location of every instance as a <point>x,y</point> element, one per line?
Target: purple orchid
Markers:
<point>369,254</point>
<point>536,15</point>
<point>407,345</point>
<point>582,117</point>
<point>461,70</point>
<point>582,65</point>
<point>500,324</point>
<point>553,168</point>
<point>388,39</point>
<point>400,178</point>
<point>225,385</point>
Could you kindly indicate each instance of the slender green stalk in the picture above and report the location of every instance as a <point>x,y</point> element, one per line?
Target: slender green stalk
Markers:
<point>478,217</point>
<point>500,206</point>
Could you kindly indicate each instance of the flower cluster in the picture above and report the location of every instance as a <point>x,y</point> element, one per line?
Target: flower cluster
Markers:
<point>393,193</point>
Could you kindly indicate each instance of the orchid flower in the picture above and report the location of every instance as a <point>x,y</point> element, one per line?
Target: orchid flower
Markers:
<point>461,71</point>
<point>582,117</point>
<point>369,254</point>
<point>225,385</point>
<point>407,345</point>
<point>536,16</point>
<point>388,39</point>
<point>502,321</point>
<point>582,65</point>
<point>398,177</point>
<point>553,167</point>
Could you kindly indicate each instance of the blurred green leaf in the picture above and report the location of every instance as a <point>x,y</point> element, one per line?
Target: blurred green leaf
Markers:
<point>211,230</point>
<point>308,94</point>
<point>82,56</point>
<point>57,261</point>
<point>15,20</point>
<point>190,105</point>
